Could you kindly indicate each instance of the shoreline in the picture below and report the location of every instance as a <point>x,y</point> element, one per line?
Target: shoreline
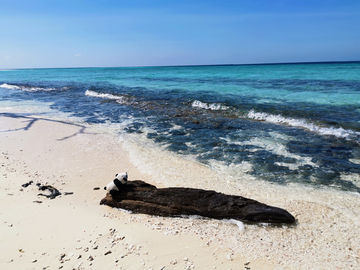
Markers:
<point>77,158</point>
<point>74,231</point>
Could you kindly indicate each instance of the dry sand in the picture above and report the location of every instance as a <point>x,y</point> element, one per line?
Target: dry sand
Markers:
<point>74,231</point>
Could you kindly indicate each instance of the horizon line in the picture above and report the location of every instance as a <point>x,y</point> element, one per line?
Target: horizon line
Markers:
<point>199,65</point>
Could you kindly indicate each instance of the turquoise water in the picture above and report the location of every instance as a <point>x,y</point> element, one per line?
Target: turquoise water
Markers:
<point>292,123</point>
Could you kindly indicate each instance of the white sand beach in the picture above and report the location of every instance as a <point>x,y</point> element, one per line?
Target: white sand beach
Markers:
<point>75,232</point>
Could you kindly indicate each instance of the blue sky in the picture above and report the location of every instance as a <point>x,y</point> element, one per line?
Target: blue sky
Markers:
<point>87,33</point>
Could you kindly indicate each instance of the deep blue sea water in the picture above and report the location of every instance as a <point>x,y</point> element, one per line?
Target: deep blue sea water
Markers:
<point>292,123</point>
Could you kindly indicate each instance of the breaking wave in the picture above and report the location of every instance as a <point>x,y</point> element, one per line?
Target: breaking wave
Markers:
<point>300,123</point>
<point>209,106</point>
<point>9,86</point>
<point>29,88</point>
<point>338,132</point>
<point>119,99</point>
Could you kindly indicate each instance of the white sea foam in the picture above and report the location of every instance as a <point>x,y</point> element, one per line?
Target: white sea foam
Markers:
<point>355,160</point>
<point>236,222</point>
<point>176,127</point>
<point>190,145</point>
<point>90,93</point>
<point>27,88</point>
<point>276,144</point>
<point>351,177</point>
<point>36,89</point>
<point>9,86</point>
<point>209,106</point>
<point>281,120</point>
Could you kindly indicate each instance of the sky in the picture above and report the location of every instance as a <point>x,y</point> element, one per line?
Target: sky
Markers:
<point>117,33</point>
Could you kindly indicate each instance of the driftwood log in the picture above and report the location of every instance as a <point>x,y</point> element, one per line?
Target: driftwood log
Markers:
<point>140,197</point>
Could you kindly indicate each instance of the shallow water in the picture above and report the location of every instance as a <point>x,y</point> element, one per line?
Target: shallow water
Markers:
<point>296,123</point>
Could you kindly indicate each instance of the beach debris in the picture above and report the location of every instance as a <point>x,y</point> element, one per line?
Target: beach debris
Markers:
<point>27,184</point>
<point>96,188</point>
<point>53,191</point>
<point>246,266</point>
<point>61,257</point>
<point>141,197</point>
<point>37,201</point>
<point>107,252</point>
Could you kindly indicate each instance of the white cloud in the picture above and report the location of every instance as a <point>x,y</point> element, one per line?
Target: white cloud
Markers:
<point>78,54</point>
<point>7,56</point>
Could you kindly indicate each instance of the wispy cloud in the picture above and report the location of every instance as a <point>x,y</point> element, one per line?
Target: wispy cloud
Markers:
<point>7,56</point>
<point>77,55</point>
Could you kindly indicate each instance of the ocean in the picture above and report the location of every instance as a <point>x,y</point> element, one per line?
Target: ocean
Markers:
<point>279,123</point>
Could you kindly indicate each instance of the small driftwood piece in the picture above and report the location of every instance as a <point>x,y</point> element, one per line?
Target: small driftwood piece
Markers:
<point>140,197</point>
<point>53,191</point>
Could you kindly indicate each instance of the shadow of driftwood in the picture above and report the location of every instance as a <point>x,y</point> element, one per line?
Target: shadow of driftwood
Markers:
<point>29,121</point>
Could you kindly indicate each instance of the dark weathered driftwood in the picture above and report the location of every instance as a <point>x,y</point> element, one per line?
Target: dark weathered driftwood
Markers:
<point>53,191</point>
<point>141,197</point>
